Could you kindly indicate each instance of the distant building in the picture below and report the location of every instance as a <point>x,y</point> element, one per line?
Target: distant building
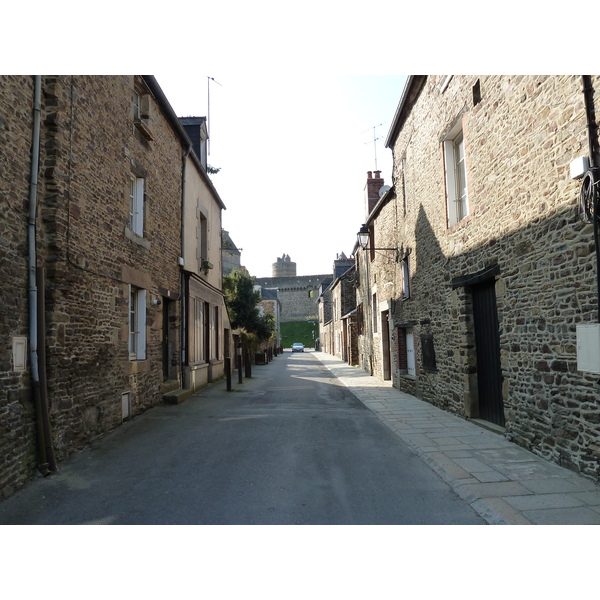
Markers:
<point>298,294</point>
<point>284,267</point>
<point>231,255</point>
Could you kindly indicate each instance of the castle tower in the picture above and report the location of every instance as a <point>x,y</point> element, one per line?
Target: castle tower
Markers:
<point>284,267</point>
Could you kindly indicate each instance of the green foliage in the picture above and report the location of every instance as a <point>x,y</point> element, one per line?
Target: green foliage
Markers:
<point>299,332</point>
<point>242,299</point>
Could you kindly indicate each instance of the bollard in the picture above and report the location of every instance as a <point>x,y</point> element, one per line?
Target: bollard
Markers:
<point>228,372</point>
<point>247,363</point>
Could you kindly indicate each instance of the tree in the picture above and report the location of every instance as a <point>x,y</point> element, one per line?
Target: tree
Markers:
<point>242,299</point>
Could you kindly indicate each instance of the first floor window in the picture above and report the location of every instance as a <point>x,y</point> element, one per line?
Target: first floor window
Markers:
<point>456,176</point>
<point>136,205</point>
<point>137,323</point>
<point>406,277</point>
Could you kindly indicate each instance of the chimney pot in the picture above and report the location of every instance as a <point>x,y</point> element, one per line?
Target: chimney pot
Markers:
<point>369,174</point>
<point>377,174</point>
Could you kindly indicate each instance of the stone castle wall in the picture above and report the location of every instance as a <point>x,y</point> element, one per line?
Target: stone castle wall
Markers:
<point>298,296</point>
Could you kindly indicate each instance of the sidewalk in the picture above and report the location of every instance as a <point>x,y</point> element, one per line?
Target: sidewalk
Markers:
<point>504,483</point>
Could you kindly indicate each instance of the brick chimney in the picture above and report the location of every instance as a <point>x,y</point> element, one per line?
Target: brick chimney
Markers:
<point>374,184</point>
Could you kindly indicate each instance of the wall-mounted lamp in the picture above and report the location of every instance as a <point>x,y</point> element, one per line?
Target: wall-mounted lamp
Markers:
<point>363,240</point>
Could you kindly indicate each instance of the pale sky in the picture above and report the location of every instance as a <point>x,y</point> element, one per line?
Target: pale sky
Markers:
<point>294,150</point>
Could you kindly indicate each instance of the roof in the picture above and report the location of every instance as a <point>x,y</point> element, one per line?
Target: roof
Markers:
<point>173,120</point>
<point>412,89</point>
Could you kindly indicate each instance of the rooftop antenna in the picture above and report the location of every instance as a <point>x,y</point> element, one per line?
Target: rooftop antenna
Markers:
<point>208,113</point>
<point>374,140</point>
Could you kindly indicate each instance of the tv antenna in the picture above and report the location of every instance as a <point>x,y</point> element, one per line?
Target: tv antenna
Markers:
<point>374,141</point>
<point>208,113</point>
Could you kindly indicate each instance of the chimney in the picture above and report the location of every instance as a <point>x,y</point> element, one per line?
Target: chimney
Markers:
<point>372,188</point>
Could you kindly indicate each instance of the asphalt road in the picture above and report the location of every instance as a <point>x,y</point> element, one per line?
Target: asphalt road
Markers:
<point>291,445</point>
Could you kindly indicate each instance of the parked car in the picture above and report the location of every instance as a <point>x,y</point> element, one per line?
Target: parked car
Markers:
<point>297,347</point>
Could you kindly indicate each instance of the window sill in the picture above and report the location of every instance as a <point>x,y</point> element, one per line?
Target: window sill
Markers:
<point>134,367</point>
<point>143,129</point>
<point>137,239</point>
<point>405,375</point>
<point>458,224</point>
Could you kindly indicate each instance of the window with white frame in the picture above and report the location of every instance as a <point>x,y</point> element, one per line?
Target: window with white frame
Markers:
<point>137,323</point>
<point>135,100</point>
<point>406,351</point>
<point>406,277</point>
<point>198,330</point>
<point>456,176</point>
<point>136,205</point>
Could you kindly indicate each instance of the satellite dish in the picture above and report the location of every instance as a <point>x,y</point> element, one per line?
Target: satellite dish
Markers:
<point>383,189</point>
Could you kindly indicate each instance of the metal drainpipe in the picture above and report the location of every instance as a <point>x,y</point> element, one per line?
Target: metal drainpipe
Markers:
<point>183,334</point>
<point>32,279</point>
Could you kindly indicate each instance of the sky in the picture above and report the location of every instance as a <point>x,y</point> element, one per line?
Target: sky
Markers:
<point>293,152</point>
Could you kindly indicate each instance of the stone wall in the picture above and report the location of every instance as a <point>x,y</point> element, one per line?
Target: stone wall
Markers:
<point>520,135</point>
<point>17,419</point>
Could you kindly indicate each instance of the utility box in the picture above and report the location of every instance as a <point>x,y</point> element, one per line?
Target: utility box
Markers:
<point>588,348</point>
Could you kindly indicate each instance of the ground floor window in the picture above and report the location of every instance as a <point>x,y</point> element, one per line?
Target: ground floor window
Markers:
<point>406,351</point>
<point>137,323</point>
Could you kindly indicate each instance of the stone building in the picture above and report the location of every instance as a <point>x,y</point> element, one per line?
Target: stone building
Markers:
<point>298,294</point>
<point>93,284</point>
<point>337,315</point>
<point>493,265</point>
<point>208,332</point>
<point>231,254</point>
<point>284,267</point>
<point>269,304</point>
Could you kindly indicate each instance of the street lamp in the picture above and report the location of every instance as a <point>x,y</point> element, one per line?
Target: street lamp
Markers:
<point>363,240</point>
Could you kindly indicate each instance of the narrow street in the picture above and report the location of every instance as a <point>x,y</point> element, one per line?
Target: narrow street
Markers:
<point>291,445</point>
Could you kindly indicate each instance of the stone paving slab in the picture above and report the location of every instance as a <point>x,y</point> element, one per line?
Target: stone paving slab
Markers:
<point>504,483</point>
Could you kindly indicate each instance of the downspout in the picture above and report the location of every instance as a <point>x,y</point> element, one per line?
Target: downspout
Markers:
<point>184,288</point>
<point>42,423</point>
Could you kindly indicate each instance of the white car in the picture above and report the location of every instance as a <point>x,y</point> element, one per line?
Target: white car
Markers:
<point>297,347</point>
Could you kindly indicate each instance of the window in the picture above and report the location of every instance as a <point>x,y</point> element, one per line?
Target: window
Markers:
<point>374,305</point>
<point>213,324</point>
<point>202,234</point>
<point>198,329</point>
<point>360,323</point>
<point>406,351</point>
<point>456,176</point>
<point>428,352</point>
<point>135,99</point>
<point>136,205</point>
<point>137,324</point>
<point>406,277</point>
<point>140,104</point>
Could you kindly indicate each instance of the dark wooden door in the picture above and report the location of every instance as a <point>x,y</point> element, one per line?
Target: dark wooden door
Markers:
<point>487,344</point>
